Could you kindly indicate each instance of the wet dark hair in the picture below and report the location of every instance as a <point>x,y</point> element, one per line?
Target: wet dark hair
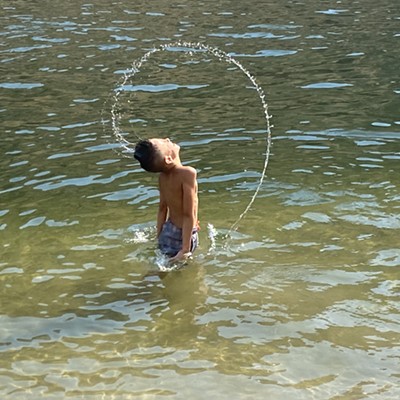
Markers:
<point>147,155</point>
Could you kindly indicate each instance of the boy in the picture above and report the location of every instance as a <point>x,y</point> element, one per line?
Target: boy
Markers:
<point>177,223</point>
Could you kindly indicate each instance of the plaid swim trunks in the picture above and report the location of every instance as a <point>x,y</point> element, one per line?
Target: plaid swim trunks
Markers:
<point>170,239</point>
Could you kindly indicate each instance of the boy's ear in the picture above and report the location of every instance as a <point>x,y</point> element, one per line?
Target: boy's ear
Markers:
<point>168,160</point>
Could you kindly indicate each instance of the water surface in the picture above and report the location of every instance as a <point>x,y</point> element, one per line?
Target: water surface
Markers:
<point>300,302</point>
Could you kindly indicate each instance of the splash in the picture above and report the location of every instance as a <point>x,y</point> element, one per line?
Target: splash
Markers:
<point>189,49</point>
<point>212,237</point>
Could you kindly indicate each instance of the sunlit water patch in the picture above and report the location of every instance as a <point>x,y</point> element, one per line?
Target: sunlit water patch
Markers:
<point>300,302</point>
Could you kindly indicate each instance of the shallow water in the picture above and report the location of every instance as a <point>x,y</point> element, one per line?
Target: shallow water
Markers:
<point>300,302</point>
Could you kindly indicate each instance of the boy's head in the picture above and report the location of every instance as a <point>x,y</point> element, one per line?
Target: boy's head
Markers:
<point>156,155</point>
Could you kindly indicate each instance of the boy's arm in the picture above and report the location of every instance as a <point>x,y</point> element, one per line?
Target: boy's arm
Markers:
<point>162,211</point>
<point>189,189</point>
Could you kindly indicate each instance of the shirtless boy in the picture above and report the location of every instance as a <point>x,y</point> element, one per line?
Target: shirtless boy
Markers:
<point>177,223</point>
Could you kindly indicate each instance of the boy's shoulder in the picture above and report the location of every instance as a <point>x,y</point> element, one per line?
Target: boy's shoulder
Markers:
<point>187,169</point>
<point>187,172</point>
<point>183,172</point>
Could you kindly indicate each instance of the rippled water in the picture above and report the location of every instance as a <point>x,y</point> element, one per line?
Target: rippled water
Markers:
<point>302,301</point>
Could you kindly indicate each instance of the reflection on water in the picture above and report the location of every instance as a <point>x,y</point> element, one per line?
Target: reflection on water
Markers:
<point>300,302</point>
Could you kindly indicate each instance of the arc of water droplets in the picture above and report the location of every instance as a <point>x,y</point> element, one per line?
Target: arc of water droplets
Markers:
<point>220,55</point>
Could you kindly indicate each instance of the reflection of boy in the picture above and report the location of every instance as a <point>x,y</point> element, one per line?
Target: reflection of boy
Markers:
<point>177,223</point>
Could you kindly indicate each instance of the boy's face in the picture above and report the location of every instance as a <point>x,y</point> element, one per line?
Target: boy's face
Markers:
<point>166,147</point>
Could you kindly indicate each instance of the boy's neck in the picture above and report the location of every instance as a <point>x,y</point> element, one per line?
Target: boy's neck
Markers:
<point>171,166</point>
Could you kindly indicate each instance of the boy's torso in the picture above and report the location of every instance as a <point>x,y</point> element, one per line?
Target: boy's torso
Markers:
<point>171,189</point>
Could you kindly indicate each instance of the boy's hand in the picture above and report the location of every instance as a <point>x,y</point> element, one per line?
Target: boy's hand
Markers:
<point>181,256</point>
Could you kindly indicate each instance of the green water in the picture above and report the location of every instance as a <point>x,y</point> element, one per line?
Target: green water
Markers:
<point>302,302</point>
